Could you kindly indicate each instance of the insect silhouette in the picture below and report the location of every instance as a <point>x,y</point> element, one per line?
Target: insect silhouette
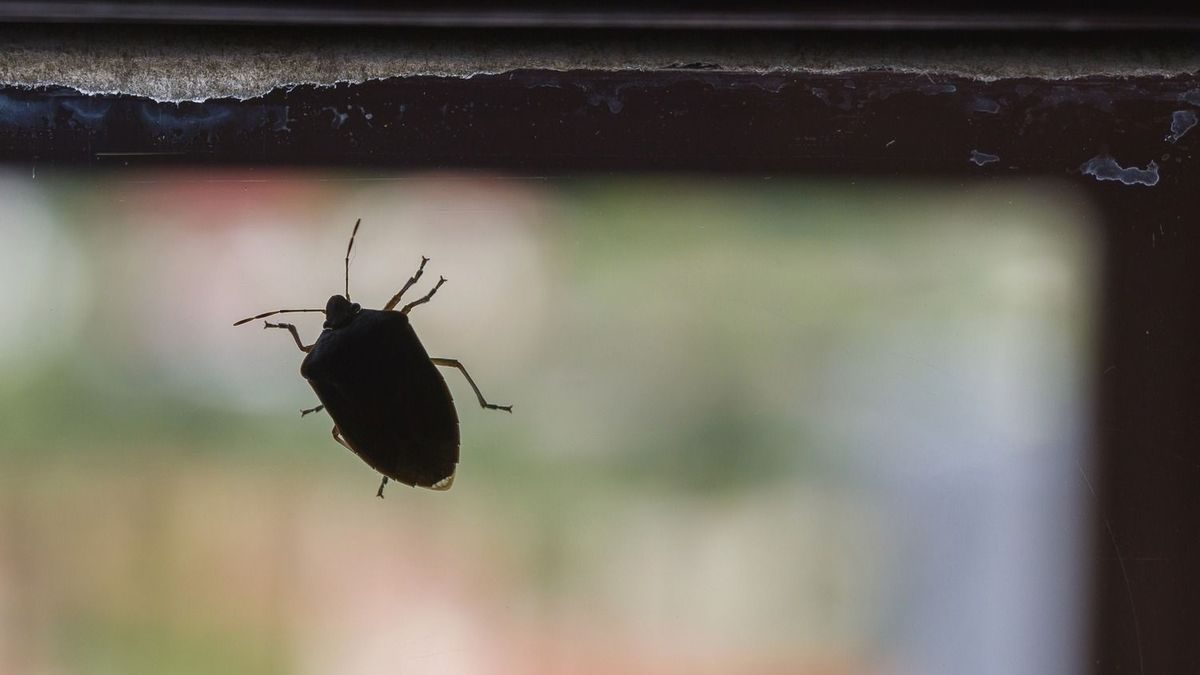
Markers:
<point>389,403</point>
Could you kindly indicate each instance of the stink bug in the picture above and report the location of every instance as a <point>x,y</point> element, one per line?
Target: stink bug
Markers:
<point>389,404</point>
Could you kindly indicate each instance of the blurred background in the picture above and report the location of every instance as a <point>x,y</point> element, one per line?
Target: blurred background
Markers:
<point>760,426</point>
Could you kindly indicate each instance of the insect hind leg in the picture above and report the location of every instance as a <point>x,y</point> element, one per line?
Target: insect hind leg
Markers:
<point>454,363</point>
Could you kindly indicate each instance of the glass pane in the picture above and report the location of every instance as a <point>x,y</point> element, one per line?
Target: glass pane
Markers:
<point>759,425</point>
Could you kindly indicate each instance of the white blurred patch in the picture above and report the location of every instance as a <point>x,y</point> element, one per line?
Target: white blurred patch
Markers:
<point>188,307</point>
<point>42,273</point>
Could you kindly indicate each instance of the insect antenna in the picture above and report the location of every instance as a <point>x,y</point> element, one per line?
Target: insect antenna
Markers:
<point>348,249</point>
<point>278,311</point>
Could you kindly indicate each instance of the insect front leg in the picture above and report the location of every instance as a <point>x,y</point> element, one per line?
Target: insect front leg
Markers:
<point>420,301</point>
<point>407,285</point>
<point>290,328</point>
<point>312,410</point>
<point>454,363</point>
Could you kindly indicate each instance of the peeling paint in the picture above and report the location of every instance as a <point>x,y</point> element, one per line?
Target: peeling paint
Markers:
<point>433,119</point>
<point>88,109</point>
<point>773,83</point>
<point>1068,94</point>
<point>842,101</point>
<point>982,158</point>
<point>609,97</point>
<point>985,105</point>
<point>339,117</point>
<point>698,65</point>
<point>934,88</point>
<point>1182,122</point>
<point>169,119</point>
<point>188,122</point>
<point>18,112</point>
<point>280,117</point>
<point>177,64</point>
<point>1104,167</point>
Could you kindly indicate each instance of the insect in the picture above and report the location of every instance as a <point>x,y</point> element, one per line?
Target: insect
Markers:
<point>389,403</point>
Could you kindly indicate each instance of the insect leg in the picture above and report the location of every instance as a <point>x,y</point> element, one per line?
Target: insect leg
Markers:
<point>273,313</point>
<point>349,248</point>
<point>290,327</point>
<point>407,285</point>
<point>337,436</point>
<point>454,363</point>
<point>381,484</point>
<point>407,308</point>
<point>312,410</point>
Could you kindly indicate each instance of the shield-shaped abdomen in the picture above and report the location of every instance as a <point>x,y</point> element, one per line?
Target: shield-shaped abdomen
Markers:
<point>386,397</point>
